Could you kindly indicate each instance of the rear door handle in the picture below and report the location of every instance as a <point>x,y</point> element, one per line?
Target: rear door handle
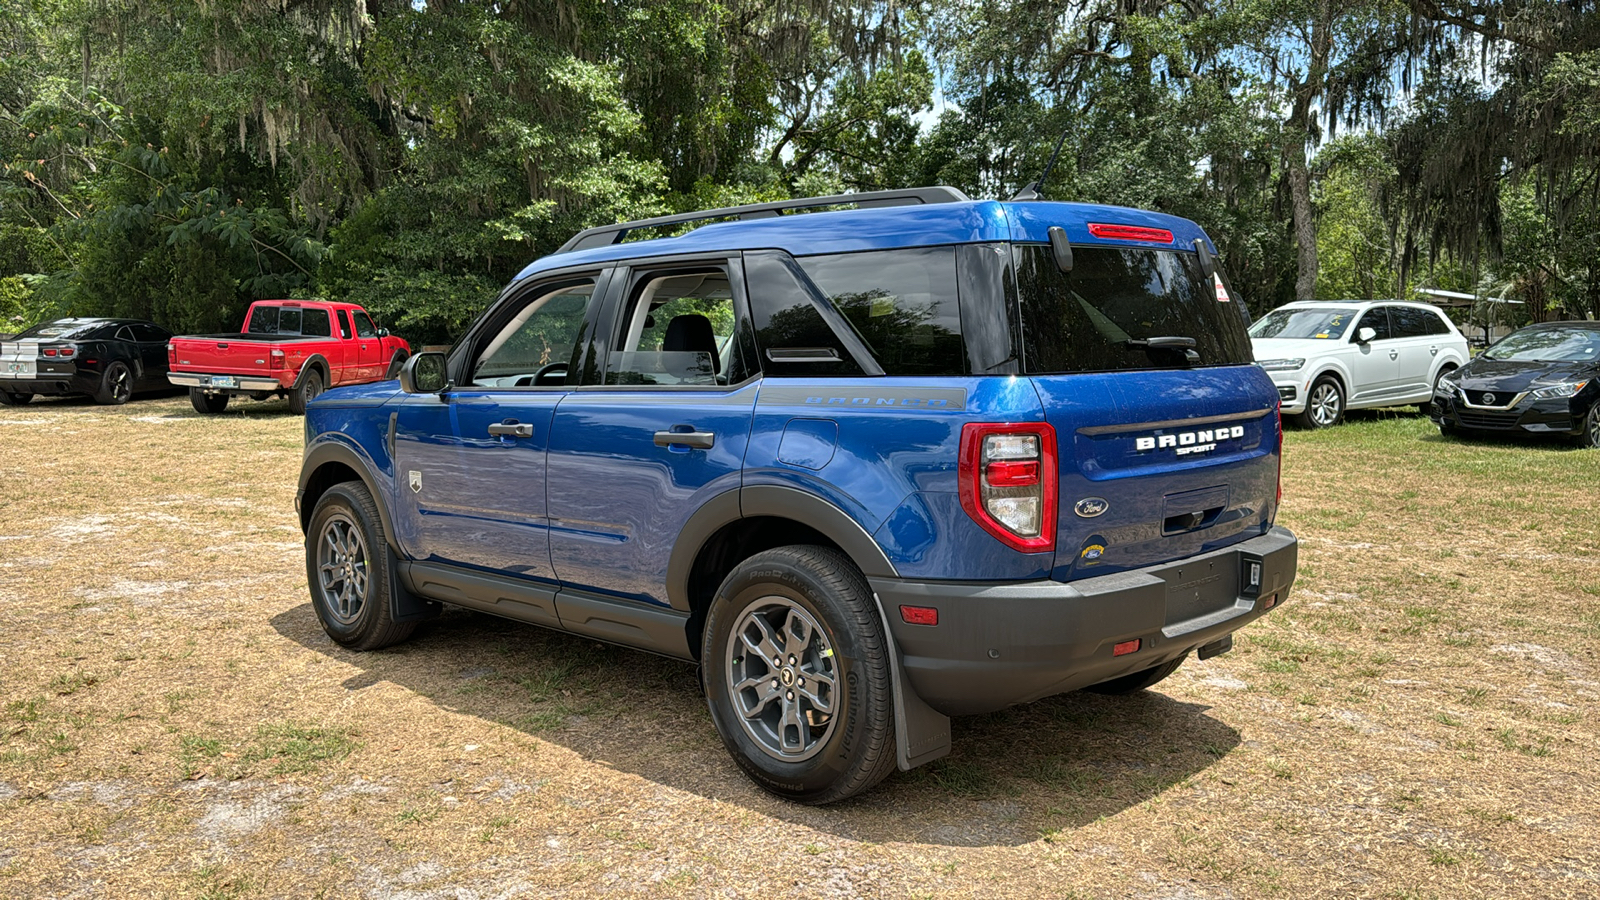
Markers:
<point>511,429</point>
<point>1394,354</point>
<point>700,440</point>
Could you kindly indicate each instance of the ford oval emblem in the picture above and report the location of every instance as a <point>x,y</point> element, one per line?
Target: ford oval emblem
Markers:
<point>1089,507</point>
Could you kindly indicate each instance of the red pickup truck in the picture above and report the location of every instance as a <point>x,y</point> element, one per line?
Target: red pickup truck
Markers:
<point>293,348</point>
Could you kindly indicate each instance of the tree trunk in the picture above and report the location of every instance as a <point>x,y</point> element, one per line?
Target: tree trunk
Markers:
<point>1304,217</point>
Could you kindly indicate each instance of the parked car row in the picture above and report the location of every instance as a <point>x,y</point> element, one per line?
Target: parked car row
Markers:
<point>1327,356</point>
<point>287,348</point>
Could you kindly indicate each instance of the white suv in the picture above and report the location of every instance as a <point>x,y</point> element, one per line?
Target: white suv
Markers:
<point>1327,356</point>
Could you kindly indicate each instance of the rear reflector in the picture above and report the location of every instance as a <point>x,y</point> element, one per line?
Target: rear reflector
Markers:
<point>1126,647</point>
<point>919,615</point>
<point>1130,233</point>
<point>1270,602</point>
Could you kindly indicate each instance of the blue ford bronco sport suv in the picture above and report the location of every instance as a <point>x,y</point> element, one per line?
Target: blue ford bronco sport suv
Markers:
<point>870,467</point>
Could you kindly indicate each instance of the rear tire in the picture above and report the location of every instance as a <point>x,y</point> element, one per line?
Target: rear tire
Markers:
<point>116,385</point>
<point>1324,404</point>
<point>9,399</point>
<point>347,569</point>
<point>1137,681</point>
<point>796,672</point>
<point>207,404</point>
<point>307,390</point>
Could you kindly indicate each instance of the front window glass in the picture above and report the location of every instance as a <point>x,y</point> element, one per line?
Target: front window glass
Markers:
<point>1549,345</point>
<point>1123,308</point>
<point>1376,318</point>
<point>363,324</point>
<point>537,346</point>
<point>1299,323</point>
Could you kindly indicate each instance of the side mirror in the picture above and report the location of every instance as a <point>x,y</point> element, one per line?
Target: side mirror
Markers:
<point>383,332</point>
<point>1365,335</point>
<point>425,373</point>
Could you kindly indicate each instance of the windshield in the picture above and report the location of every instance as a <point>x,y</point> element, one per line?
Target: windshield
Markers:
<point>1301,323</point>
<point>1123,308</point>
<point>1549,345</point>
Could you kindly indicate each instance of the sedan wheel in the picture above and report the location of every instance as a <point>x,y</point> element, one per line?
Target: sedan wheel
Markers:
<point>1590,438</point>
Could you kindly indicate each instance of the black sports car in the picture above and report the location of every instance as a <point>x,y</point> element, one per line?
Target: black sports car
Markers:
<point>1543,379</point>
<point>108,359</point>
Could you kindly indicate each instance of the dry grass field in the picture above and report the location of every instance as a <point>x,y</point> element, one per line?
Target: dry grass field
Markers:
<point>1417,721</point>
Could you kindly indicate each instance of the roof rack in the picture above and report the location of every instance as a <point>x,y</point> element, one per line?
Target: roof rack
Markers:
<point>606,235</point>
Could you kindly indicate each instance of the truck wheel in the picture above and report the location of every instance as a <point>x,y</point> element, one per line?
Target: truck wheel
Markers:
<point>1137,681</point>
<point>208,404</point>
<point>395,365</point>
<point>1324,404</point>
<point>796,672</point>
<point>9,399</point>
<point>307,390</point>
<point>347,568</point>
<point>116,385</point>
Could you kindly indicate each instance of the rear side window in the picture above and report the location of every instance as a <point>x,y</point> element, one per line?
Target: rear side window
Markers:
<point>901,302</point>
<point>316,324</point>
<point>1410,321</point>
<point>1105,314</point>
<point>793,337</point>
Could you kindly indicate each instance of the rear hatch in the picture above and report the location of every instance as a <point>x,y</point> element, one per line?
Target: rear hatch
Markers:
<point>1167,434</point>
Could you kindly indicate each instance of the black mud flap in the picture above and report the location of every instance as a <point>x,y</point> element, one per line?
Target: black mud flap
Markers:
<point>405,606</point>
<point>921,733</point>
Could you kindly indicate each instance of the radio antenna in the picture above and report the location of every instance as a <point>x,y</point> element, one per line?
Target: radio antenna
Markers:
<point>1032,190</point>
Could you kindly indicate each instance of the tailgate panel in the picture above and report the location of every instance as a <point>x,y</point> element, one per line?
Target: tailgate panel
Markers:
<point>1185,461</point>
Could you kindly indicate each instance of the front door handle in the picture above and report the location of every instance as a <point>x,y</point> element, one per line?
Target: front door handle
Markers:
<point>1394,354</point>
<point>511,429</point>
<point>700,440</point>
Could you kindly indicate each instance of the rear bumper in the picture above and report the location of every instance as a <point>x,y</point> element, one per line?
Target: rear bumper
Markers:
<point>45,383</point>
<point>239,382</point>
<point>1001,644</point>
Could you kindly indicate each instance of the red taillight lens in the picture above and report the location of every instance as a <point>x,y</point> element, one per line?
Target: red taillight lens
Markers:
<point>275,359</point>
<point>49,351</point>
<point>1130,233</point>
<point>919,615</point>
<point>59,352</point>
<point>1008,482</point>
<point>1126,647</point>
<point>172,355</point>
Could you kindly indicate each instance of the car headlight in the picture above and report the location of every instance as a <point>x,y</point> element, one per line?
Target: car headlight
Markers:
<point>1280,365</point>
<point>1450,378</point>
<point>1558,391</point>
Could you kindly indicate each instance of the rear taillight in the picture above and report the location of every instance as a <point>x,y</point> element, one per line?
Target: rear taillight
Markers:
<point>60,352</point>
<point>1008,482</point>
<point>172,355</point>
<point>1280,460</point>
<point>275,359</point>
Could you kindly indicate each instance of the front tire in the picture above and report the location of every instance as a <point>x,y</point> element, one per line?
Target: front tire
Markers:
<point>1137,681</point>
<point>207,404</point>
<point>1324,404</point>
<point>116,385</point>
<point>347,569</point>
<point>9,399</point>
<point>307,390</point>
<point>1589,438</point>
<point>796,672</point>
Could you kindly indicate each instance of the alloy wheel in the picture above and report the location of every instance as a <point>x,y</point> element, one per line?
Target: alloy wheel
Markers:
<point>1325,404</point>
<point>342,568</point>
<point>783,678</point>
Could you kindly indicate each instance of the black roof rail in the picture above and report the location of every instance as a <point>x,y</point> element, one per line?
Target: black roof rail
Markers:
<point>606,235</point>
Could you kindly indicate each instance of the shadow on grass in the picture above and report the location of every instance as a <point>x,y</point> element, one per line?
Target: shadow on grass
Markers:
<point>1012,776</point>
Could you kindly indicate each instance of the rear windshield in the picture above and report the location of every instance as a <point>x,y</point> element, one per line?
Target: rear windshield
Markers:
<point>1549,345</point>
<point>310,321</point>
<point>1123,308</point>
<point>60,330</point>
<point>1300,323</point>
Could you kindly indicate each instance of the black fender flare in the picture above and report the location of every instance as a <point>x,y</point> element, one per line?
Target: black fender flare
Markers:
<point>317,359</point>
<point>776,501</point>
<point>404,606</point>
<point>396,362</point>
